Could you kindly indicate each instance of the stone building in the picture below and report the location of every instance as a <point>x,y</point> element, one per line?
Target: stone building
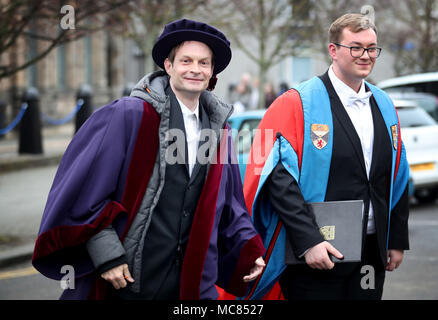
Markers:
<point>104,62</point>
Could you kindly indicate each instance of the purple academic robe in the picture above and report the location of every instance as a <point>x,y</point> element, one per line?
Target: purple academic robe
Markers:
<point>101,181</point>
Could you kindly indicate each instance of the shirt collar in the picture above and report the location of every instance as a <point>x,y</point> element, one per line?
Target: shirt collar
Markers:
<point>186,111</point>
<point>342,89</point>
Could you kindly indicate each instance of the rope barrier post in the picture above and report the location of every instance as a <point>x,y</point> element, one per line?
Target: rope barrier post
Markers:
<point>86,94</point>
<point>2,116</point>
<point>30,140</point>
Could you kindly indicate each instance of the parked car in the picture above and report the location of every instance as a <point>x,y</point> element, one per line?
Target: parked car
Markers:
<point>415,84</point>
<point>411,188</point>
<point>243,125</point>
<point>426,101</point>
<point>419,132</point>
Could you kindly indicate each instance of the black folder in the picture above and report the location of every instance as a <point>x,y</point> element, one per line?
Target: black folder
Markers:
<point>340,222</point>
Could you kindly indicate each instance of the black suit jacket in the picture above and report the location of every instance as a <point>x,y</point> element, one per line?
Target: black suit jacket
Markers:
<point>169,230</point>
<point>347,181</point>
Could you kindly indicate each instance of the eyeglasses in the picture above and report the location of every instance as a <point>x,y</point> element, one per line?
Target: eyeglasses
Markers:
<point>357,52</point>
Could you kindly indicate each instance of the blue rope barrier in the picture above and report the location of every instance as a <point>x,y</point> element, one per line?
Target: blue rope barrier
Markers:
<point>15,121</point>
<point>67,118</point>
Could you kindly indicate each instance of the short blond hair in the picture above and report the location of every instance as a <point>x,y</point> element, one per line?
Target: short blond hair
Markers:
<point>355,22</point>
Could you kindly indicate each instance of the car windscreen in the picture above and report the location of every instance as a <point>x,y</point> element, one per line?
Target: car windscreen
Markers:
<point>246,135</point>
<point>426,101</point>
<point>414,117</point>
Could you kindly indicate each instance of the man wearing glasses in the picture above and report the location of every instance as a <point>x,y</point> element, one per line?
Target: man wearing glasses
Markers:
<point>336,137</point>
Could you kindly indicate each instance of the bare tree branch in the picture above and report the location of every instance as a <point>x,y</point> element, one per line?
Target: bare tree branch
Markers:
<point>262,30</point>
<point>40,20</point>
<point>146,19</point>
<point>410,28</point>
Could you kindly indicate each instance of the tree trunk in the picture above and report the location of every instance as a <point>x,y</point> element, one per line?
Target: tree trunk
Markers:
<point>263,73</point>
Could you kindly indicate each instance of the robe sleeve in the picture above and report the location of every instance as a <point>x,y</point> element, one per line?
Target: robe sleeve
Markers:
<point>239,244</point>
<point>399,231</point>
<point>105,247</point>
<point>398,237</point>
<point>297,216</point>
<point>85,194</point>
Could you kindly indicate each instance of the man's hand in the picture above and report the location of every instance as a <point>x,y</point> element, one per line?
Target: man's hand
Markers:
<point>256,270</point>
<point>394,259</point>
<point>317,257</point>
<point>118,276</point>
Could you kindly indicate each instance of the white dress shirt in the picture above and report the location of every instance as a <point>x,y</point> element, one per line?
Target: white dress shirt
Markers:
<point>192,125</point>
<point>358,108</point>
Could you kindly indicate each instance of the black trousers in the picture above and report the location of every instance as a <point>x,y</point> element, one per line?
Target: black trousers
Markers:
<point>346,281</point>
<point>169,289</point>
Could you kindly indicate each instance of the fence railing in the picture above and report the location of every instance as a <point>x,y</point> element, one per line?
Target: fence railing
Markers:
<point>30,118</point>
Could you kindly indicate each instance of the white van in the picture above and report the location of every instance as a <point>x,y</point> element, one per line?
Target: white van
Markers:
<point>422,88</point>
<point>420,135</point>
<point>421,82</point>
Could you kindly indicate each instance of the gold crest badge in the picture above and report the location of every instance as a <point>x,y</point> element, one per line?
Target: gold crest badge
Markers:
<point>394,130</point>
<point>328,232</point>
<point>320,135</point>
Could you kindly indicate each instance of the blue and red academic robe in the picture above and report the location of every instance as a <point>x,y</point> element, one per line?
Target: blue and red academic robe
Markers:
<point>102,179</point>
<point>285,134</point>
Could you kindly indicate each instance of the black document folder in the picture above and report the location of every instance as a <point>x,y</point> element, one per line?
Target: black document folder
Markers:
<point>340,223</point>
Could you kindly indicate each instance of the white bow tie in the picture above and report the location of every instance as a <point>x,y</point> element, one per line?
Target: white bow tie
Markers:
<point>362,97</point>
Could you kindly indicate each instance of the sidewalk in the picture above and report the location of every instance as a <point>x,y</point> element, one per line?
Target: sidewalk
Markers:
<point>55,141</point>
<point>14,249</point>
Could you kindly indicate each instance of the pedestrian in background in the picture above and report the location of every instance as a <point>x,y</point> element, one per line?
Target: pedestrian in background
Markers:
<point>270,94</point>
<point>283,88</point>
<point>243,91</point>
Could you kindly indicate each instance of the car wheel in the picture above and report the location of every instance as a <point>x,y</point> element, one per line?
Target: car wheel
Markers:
<point>426,196</point>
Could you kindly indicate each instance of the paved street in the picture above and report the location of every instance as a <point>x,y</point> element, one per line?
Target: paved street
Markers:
<point>23,282</point>
<point>417,277</point>
<point>23,195</point>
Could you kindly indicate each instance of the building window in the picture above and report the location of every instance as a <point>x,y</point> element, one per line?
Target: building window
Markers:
<point>301,69</point>
<point>32,53</point>
<point>61,76</point>
<point>110,56</point>
<point>88,60</point>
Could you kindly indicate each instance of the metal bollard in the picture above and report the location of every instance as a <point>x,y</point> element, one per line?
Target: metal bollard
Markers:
<point>2,116</point>
<point>30,126</point>
<point>86,94</point>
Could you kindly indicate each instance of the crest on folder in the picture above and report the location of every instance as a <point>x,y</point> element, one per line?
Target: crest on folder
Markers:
<point>394,131</point>
<point>320,135</point>
<point>328,232</point>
